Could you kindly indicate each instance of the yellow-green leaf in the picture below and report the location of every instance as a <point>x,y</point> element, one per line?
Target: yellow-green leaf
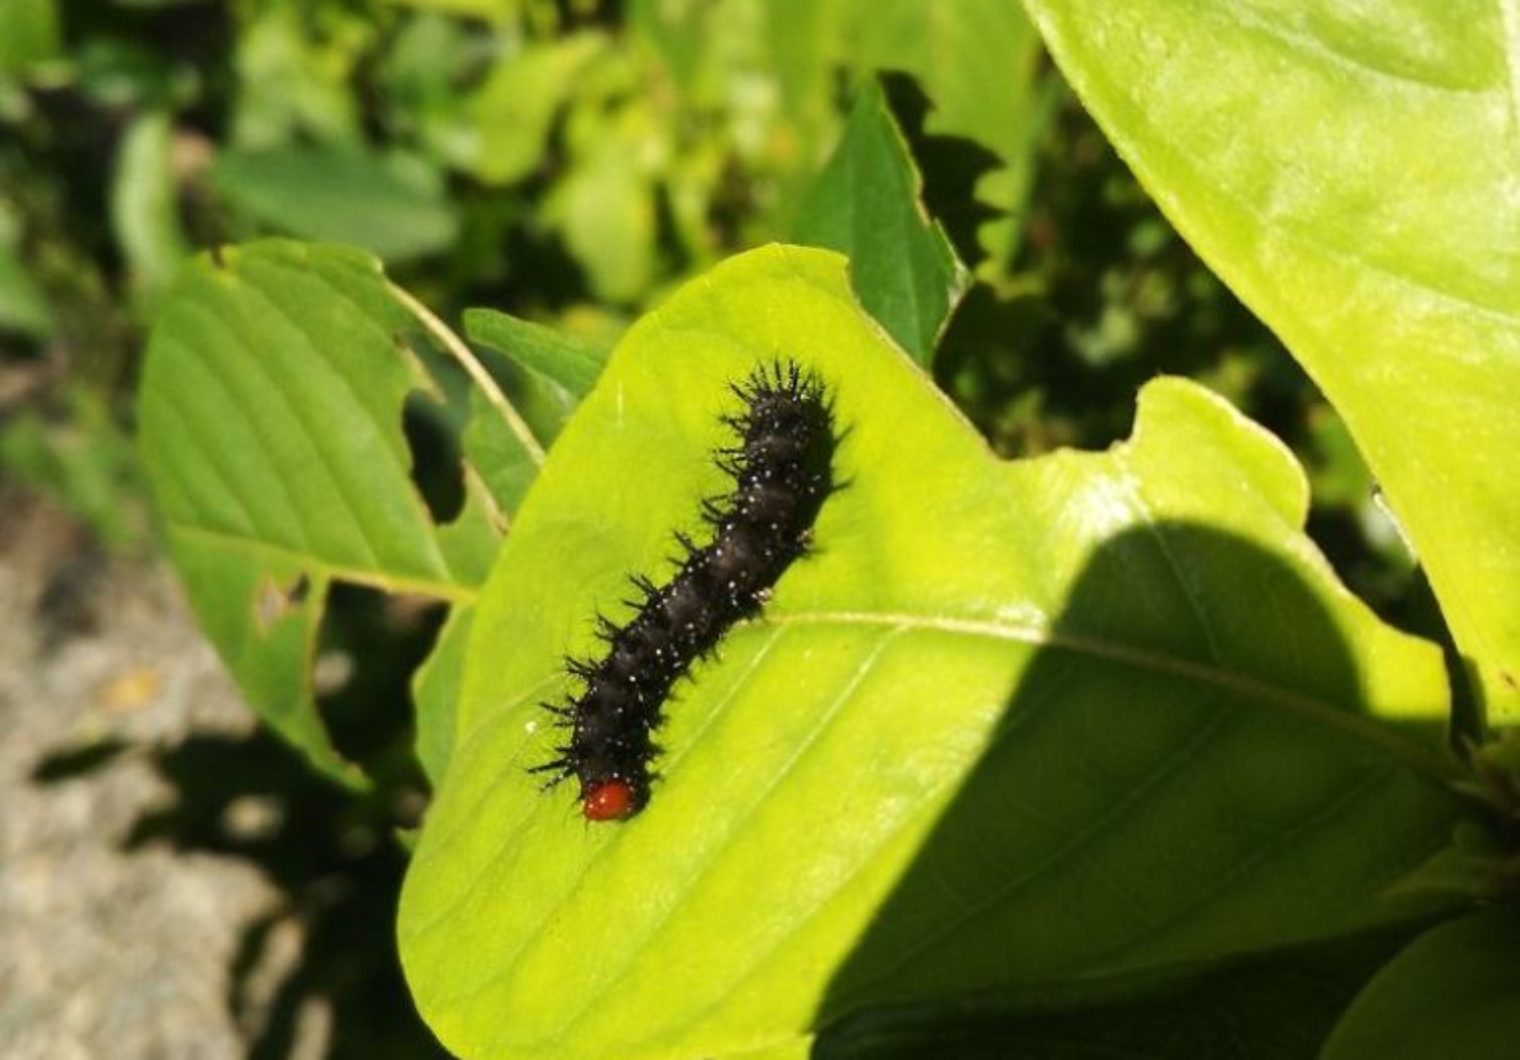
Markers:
<point>1012,724</point>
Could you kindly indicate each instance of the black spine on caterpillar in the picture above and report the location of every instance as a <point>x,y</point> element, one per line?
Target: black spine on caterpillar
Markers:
<point>782,472</point>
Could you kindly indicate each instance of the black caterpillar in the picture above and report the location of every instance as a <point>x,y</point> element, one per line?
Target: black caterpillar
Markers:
<point>782,472</point>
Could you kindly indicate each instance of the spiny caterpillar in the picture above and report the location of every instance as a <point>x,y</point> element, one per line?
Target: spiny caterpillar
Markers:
<point>782,473</point>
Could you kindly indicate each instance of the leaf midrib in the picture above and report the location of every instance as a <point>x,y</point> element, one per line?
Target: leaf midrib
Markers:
<point>453,592</point>
<point>1342,718</point>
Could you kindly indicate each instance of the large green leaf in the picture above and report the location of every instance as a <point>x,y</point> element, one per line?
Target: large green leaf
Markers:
<point>1014,723</point>
<point>1453,994</point>
<point>271,428</point>
<point>866,204</point>
<point>1350,170</point>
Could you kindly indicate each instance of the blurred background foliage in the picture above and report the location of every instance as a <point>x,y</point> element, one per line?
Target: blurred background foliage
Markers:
<point>569,162</point>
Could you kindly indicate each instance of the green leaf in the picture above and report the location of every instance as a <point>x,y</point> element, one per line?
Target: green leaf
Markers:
<point>1280,1007</point>
<point>271,412</point>
<point>1349,170</point>
<point>866,205</point>
<point>552,371</point>
<point>513,110</point>
<point>507,465</point>
<point>566,366</point>
<point>605,211</point>
<point>1453,993</point>
<point>296,75</point>
<point>500,446</point>
<point>31,34</point>
<point>1013,723</point>
<point>342,195</point>
<point>435,691</point>
<point>144,210</point>
<point>978,62</point>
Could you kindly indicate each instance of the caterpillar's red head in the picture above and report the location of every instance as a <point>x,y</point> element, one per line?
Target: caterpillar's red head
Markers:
<point>609,800</point>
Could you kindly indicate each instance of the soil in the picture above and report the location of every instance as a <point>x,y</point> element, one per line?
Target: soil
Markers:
<point>106,950</point>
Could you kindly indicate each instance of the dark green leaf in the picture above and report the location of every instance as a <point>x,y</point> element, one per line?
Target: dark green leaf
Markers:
<point>866,204</point>
<point>979,63</point>
<point>1279,1007</point>
<point>1453,994</point>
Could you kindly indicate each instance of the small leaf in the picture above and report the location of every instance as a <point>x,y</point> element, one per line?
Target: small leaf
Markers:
<point>562,371</point>
<point>144,210</point>
<point>343,195</point>
<point>1349,170</point>
<point>979,63</point>
<point>1453,993</point>
<point>271,415</point>
<point>1013,723</point>
<point>866,204</point>
<point>567,364</point>
<point>488,10</point>
<point>605,211</point>
<point>499,445</point>
<point>296,77</point>
<point>508,466</point>
<point>515,106</point>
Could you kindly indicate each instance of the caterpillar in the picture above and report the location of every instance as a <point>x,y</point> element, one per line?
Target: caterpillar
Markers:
<point>781,466</point>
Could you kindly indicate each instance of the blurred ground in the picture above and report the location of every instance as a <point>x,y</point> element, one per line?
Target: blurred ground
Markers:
<point>109,948</point>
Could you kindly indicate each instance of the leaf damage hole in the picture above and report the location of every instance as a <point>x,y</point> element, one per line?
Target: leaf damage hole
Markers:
<point>437,461</point>
<point>368,646</point>
<point>273,601</point>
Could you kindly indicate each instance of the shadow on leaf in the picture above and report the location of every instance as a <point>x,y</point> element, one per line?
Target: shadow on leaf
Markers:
<point>1174,842</point>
